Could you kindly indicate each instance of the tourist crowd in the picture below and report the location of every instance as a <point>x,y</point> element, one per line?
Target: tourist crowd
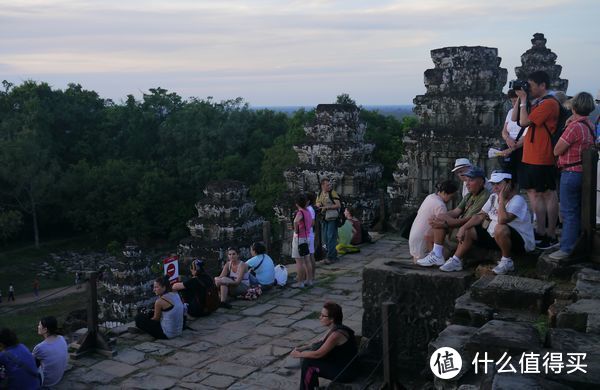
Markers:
<point>545,134</point>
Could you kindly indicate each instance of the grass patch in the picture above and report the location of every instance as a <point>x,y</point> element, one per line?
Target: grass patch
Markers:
<point>542,325</point>
<point>24,319</point>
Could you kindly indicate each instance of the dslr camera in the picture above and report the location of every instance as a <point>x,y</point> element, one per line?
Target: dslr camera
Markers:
<point>519,84</point>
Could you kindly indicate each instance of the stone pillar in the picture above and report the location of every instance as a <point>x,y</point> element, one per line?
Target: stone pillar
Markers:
<point>226,217</point>
<point>539,57</point>
<point>460,115</point>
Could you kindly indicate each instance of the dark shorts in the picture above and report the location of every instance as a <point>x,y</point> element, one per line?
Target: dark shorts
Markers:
<point>484,240</point>
<point>540,178</point>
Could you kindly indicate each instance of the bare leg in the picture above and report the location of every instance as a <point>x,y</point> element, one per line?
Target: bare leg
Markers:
<point>313,265</point>
<point>502,237</point>
<point>540,213</point>
<point>439,235</point>
<point>551,201</point>
<point>300,270</point>
<point>466,244</point>
<point>307,267</point>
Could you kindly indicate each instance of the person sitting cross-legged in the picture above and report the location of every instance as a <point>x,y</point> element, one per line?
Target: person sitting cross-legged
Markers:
<point>504,223</point>
<point>448,223</point>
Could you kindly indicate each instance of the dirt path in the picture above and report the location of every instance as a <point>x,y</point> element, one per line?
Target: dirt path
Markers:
<point>22,299</point>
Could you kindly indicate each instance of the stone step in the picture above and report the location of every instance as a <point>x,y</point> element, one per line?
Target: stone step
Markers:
<point>547,268</point>
<point>455,336</point>
<point>515,292</point>
<point>587,285</point>
<point>469,312</point>
<point>582,316</point>
<point>497,337</point>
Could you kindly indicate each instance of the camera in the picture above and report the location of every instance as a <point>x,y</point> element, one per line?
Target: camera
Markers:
<point>519,84</point>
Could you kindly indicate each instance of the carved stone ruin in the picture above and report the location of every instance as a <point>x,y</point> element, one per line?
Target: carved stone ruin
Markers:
<point>461,115</point>
<point>335,149</point>
<point>539,57</point>
<point>226,217</point>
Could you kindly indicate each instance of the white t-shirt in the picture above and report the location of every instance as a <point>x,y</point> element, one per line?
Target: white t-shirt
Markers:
<point>432,206</point>
<point>513,127</point>
<point>522,222</point>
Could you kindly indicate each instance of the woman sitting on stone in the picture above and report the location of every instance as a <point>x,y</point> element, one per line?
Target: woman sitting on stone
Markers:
<point>51,354</point>
<point>19,365</point>
<point>330,357</point>
<point>349,234</point>
<point>420,239</point>
<point>166,320</point>
<point>262,265</point>
<point>234,279</point>
<point>197,289</point>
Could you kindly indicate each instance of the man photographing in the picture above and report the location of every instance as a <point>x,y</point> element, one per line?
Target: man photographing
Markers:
<point>538,167</point>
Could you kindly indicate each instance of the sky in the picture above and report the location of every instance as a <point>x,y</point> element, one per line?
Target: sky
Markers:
<point>281,52</point>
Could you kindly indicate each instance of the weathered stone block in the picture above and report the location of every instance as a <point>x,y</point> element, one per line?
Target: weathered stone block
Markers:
<point>455,336</point>
<point>425,300</point>
<point>497,337</point>
<point>468,311</point>
<point>513,292</point>
<point>525,382</point>
<point>583,316</point>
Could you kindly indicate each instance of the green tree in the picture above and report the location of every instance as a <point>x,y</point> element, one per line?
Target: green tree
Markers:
<point>11,222</point>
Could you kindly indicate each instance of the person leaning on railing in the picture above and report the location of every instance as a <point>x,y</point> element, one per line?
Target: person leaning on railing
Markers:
<point>578,136</point>
<point>329,358</point>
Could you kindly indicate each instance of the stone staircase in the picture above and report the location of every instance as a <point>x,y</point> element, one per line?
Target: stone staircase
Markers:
<point>516,315</point>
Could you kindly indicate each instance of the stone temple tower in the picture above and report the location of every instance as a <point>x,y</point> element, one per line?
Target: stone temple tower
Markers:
<point>335,149</point>
<point>539,57</point>
<point>461,115</point>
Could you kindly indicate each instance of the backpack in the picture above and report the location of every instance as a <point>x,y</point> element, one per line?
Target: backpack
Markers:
<point>563,115</point>
<point>211,299</point>
<point>341,217</point>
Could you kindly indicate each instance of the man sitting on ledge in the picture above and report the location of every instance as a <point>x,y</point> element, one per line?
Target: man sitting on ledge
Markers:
<point>504,223</point>
<point>469,206</point>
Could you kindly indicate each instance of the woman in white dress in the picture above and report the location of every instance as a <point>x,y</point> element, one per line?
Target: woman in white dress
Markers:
<point>419,241</point>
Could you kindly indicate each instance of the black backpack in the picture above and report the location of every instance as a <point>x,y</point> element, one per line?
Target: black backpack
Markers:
<point>563,115</point>
<point>341,217</point>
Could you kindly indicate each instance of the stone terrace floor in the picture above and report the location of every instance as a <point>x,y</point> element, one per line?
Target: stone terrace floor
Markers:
<point>246,347</point>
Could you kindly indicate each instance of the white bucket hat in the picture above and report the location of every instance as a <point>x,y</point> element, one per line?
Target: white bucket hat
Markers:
<point>497,177</point>
<point>461,163</point>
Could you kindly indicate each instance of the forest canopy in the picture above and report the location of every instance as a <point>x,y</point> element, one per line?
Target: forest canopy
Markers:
<point>72,161</point>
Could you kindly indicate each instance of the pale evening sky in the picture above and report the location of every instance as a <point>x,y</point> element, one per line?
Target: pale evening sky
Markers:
<point>281,52</point>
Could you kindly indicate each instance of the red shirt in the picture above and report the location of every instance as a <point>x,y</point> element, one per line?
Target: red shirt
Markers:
<point>579,137</point>
<point>543,114</point>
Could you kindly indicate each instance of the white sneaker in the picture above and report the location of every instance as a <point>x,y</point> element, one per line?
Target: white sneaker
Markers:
<point>452,265</point>
<point>430,260</point>
<point>559,255</point>
<point>503,267</point>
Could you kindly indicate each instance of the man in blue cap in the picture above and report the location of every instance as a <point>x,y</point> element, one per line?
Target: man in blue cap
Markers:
<point>451,221</point>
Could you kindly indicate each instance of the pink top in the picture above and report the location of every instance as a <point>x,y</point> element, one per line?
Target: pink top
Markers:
<point>304,224</point>
<point>579,137</point>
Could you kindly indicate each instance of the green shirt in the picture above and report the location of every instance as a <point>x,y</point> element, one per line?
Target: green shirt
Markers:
<point>472,204</point>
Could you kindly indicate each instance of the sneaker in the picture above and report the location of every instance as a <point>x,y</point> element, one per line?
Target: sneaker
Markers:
<point>225,305</point>
<point>538,237</point>
<point>503,267</point>
<point>430,260</point>
<point>547,243</point>
<point>452,265</point>
<point>559,255</point>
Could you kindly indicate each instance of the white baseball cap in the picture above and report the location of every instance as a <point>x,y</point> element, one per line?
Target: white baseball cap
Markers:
<point>461,163</point>
<point>497,177</point>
